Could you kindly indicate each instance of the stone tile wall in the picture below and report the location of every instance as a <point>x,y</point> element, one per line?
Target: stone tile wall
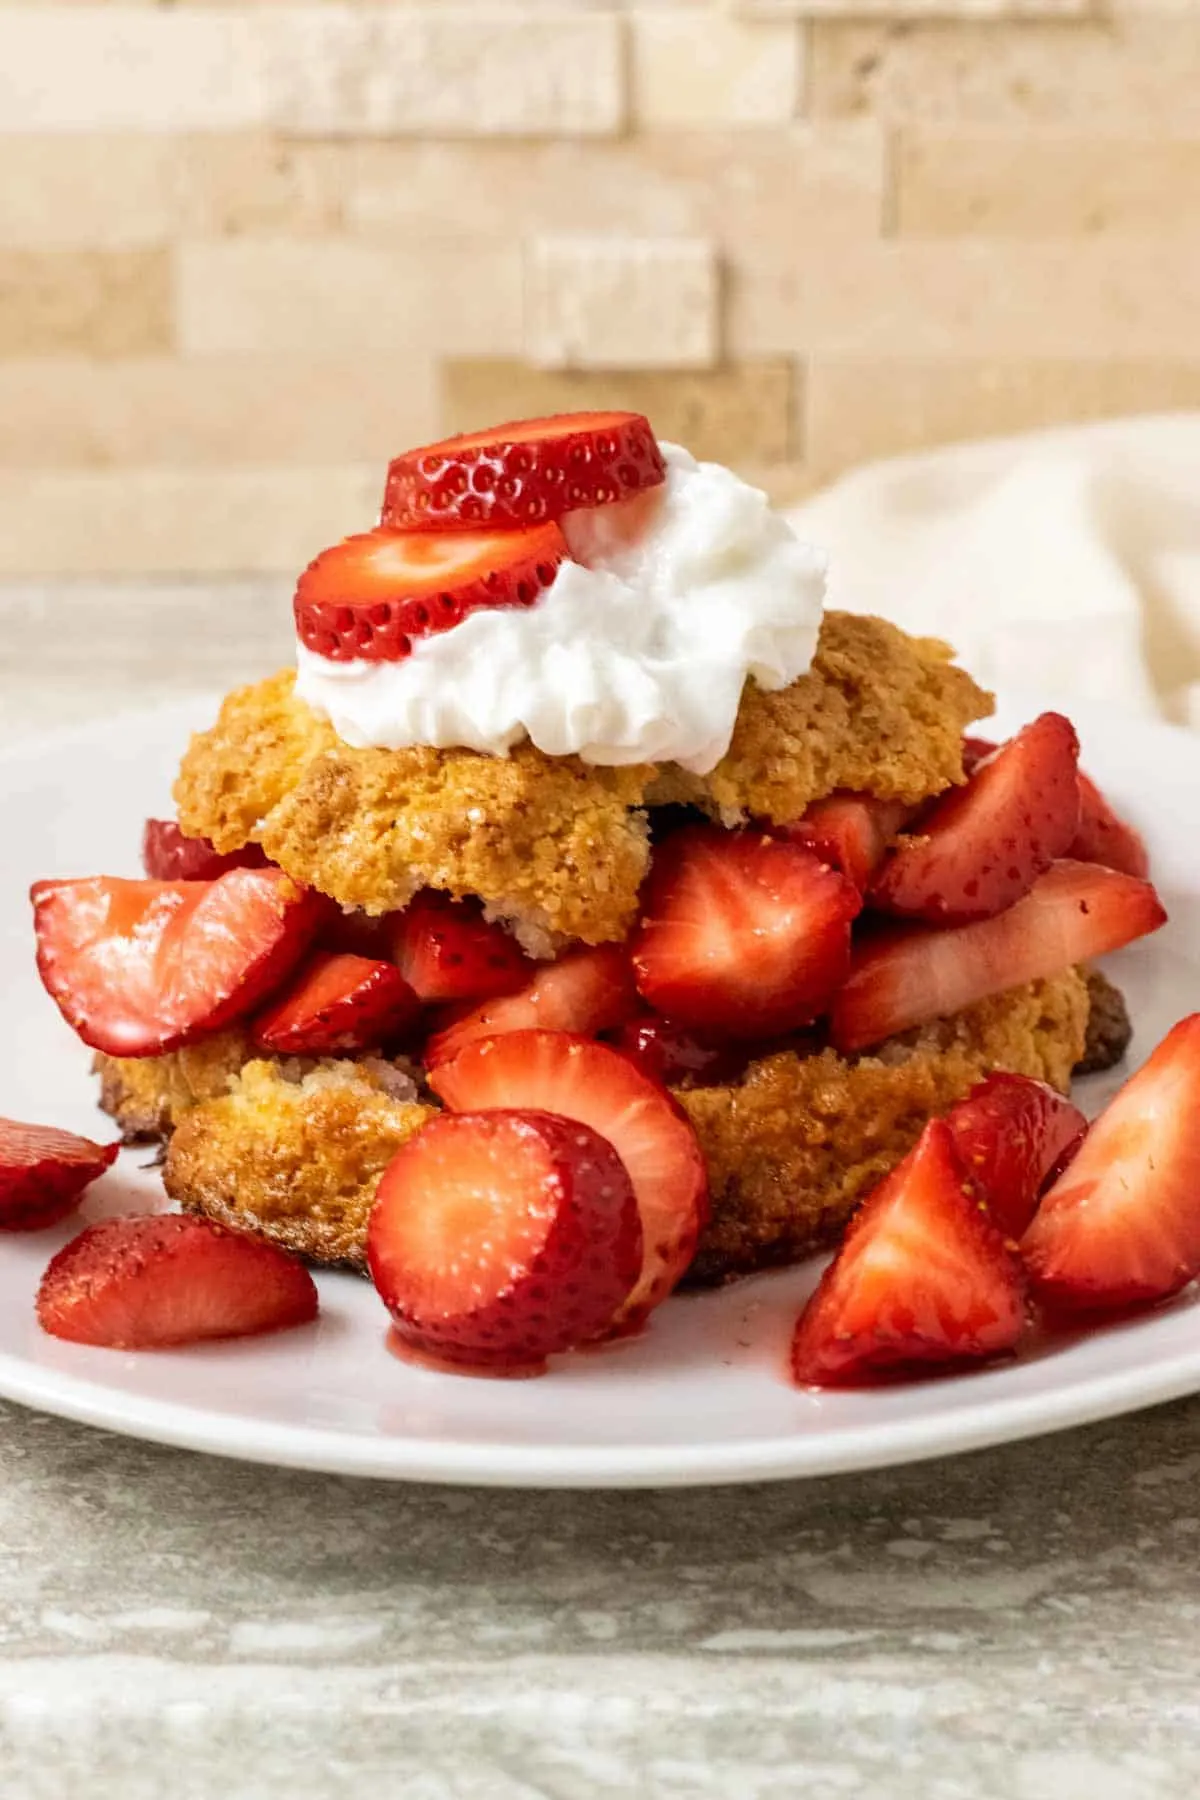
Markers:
<point>248,250</point>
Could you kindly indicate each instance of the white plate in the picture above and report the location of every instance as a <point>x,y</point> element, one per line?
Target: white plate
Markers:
<point>700,1398</point>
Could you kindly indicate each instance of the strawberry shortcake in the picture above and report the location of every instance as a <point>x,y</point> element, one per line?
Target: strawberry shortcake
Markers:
<point>577,807</point>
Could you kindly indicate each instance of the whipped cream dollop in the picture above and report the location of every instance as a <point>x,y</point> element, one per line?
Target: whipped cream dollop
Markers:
<point>637,652</point>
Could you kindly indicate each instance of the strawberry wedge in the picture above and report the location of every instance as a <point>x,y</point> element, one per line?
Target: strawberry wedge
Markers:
<point>908,975</point>
<point>585,992</point>
<point>1013,1135</point>
<point>551,1071</point>
<point>337,1004</point>
<point>1104,837</point>
<point>141,967</point>
<point>851,832</point>
<point>448,952</point>
<point>983,846</point>
<point>1121,1226</point>
<point>43,1173</point>
<point>923,1281</point>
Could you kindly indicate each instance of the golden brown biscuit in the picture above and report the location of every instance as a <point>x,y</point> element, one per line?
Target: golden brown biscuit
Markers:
<point>296,1160</point>
<point>148,1095</point>
<point>790,1150</point>
<point>879,712</point>
<point>555,846</point>
<point>794,1147</point>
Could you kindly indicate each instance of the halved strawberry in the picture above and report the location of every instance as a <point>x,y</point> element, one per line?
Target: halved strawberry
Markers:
<point>168,854</point>
<point>516,475</point>
<point>675,1057</point>
<point>159,1280</point>
<point>1121,1226</point>
<point>585,991</point>
<point>371,595</point>
<point>43,1173</point>
<point>741,934</point>
<point>447,951</point>
<point>1104,837</point>
<point>551,1071</point>
<point>923,1280</point>
<point>985,844</point>
<point>907,975</point>
<point>501,1238</point>
<point>336,1004</point>
<point>140,967</point>
<point>1012,1136</point>
<point>851,832</point>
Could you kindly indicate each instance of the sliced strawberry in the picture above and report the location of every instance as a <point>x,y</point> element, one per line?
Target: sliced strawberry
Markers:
<point>501,1238</point>
<point>551,1071</point>
<point>908,975</point>
<point>1012,1136</point>
<point>520,474</point>
<point>668,1054</point>
<point>742,934</point>
<point>158,1280</point>
<point>974,751</point>
<point>1104,837</point>
<point>851,832</point>
<point>371,595</point>
<point>923,1281</point>
<point>140,967</point>
<point>43,1173</point>
<point>169,855</point>
<point>337,1004</point>
<point>1121,1226</point>
<point>447,951</point>
<point>985,844</point>
<point>585,991</point>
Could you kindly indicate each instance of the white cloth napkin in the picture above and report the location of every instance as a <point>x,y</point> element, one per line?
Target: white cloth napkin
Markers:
<point>1065,561</point>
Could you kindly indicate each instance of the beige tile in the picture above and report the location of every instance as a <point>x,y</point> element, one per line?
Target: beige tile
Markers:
<point>1124,74</point>
<point>179,521</point>
<point>451,69</point>
<point>972,297</point>
<point>739,187</point>
<point>863,408</point>
<point>951,183</point>
<point>703,70</point>
<point>213,411</point>
<point>335,297</point>
<point>91,192</point>
<point>122,68</point>
<point>971,10</point>
<point>742,414</point>
<point>89,302</point>
<point>609,302</point>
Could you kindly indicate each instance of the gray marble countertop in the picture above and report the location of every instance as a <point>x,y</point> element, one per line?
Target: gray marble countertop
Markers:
<point>1021,1623</point>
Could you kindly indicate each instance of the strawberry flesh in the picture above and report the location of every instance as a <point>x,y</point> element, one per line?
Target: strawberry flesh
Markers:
<point>501,1238</point>
<point>1013,1135</point>
<point>1121,1226</point>
<point>337,1004</point>
<point>43,1173</point>
<point>555,1072</point>
<point>140,967</point>
<point>923,1281</point>
<point>585,991</point>
<point>907,975</point>
<point>984,845</point>
<point>448,952</point>
<point>851,832</point>
<point>370,596</point>
<point>159,1280</point>
<point>742,935</point>
<point>668,1054</point>
<point>518,475</point>
<point>1104,837</point>
<point>168,854</point>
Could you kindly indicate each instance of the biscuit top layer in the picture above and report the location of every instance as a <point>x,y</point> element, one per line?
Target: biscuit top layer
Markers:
<point>558,847</point>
